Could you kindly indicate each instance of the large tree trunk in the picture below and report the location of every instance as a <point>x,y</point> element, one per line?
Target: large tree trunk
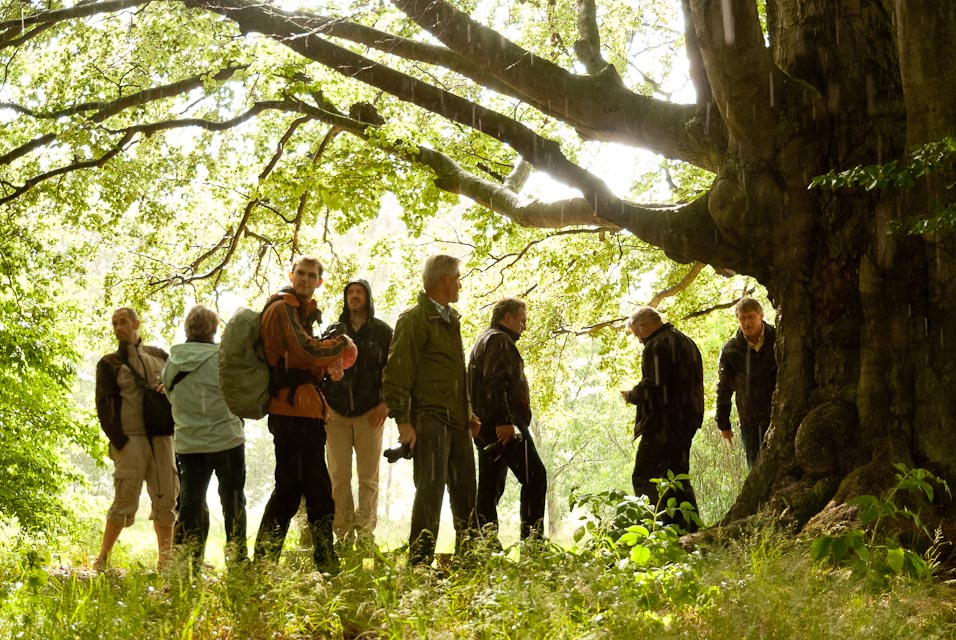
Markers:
<point>867,329</point>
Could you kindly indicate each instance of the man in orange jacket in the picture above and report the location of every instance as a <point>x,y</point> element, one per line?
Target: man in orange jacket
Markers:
<point>297,411</point>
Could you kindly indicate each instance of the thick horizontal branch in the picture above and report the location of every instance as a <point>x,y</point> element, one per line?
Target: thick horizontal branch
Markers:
<point>620,116</point>
<point>544,154</point>
<point>594,128</point>
<point>398,46</point>
<point>685,232</point>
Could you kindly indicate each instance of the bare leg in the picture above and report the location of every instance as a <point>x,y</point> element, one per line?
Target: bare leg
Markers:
<point>110,535</point>
<point>164,541</point>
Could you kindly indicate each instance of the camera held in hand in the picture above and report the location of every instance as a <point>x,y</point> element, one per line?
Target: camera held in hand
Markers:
<point>402,451</point>
<point>496,449</point>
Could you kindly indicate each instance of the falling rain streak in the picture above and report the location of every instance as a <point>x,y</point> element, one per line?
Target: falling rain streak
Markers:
<point>728,17</point>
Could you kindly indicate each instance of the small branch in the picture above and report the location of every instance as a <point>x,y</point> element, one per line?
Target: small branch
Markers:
<point>677,288</point>
<point>717,307</point>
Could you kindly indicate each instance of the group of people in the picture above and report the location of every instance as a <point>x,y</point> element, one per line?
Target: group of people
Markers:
<point>669,400</point>
<point>321,414</point>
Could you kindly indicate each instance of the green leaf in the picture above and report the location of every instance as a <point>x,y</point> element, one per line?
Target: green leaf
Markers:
<point>820,548</point>
<point>894,559</point>
<point>640,555</point>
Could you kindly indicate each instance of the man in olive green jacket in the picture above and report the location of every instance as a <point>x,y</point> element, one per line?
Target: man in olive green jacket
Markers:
<point>426,392</point>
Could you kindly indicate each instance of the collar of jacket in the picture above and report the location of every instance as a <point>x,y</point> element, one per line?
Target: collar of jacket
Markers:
<point>288,294</point>
<point>122,348</point>
<point>505,330</point>
<point>431,311</point>
<point>766,332</point>
<point>661,329</point>
<point>308,309</point>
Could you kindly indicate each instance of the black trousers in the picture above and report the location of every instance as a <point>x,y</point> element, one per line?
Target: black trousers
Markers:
<point>300,472</point>
<point>442,457</point>
<point>195,471</point>
<point>752,437</point>
<point>658,453</point>
<point>522,458</point>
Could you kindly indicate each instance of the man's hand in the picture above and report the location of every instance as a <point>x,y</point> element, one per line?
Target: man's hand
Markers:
<point>505,432</point>
<point>350,355</point>
<point>335,372</point>
<point>376,417</point>
<point>407,435</point>
<point>728,435</point>
<point>475,425</point>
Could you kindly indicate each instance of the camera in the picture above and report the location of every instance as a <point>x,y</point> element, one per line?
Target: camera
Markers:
<point>495,450</point>
<point>402,451</point>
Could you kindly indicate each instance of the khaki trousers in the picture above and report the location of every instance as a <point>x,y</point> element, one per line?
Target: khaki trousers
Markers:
<point>346,435</point>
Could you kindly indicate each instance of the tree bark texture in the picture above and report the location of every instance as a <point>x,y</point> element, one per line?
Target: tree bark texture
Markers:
<point>866,324</point>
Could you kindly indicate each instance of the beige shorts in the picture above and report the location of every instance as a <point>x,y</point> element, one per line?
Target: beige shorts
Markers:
<point>139,462</point>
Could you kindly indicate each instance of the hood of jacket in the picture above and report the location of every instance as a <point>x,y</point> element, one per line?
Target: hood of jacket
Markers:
<point>189,355</point>
<point>370,305</point>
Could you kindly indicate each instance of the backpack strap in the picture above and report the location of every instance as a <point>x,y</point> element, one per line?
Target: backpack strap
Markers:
<point>182,374</point>
<point>282,377</point>
<point>140,379</point>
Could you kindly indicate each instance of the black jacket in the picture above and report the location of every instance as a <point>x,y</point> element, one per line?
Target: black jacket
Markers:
<point>670,395</point>
<point>496,381</point>
<point>360,389</point>
<point>752,375</point>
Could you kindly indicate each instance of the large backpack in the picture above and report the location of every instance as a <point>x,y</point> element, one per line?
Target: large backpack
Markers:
<point>243,371</point>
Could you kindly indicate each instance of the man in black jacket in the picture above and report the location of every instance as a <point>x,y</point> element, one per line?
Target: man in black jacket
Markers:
<point>747,367</point>
<point>357,415</point>
<point>670,410</point>
<point>501,400</point>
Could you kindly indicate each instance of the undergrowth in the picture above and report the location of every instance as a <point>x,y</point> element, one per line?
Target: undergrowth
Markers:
<point>760,585</point>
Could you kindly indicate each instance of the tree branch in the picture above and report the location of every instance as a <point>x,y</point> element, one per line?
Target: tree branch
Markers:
<point>718,307</point>
<point>106,109</point>
<point>588,45</point>
<point>685,282</point>
<point>746,84</point>
<point>127,134</point>
<point>76,166</point>
<point>623,117</point>
<point>698,75</point>
<point>79,10</point>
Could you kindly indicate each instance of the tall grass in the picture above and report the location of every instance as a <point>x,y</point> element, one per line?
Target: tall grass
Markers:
<point>761,585</point>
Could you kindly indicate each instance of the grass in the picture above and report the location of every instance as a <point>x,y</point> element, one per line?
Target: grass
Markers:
<point>762,585</point>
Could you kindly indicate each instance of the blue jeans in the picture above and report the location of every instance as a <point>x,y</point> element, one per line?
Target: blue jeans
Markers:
<point>195,470</point>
